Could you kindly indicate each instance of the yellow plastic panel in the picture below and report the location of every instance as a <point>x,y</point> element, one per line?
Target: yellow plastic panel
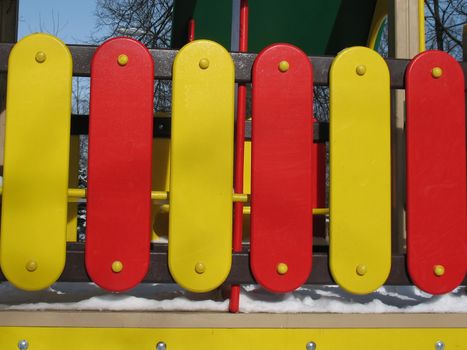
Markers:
<point>160,182</point>
<point>360,176</point>
<point>71,227</point>
<point>37,140</point>
<point>246,189</point>
<point>46,338</point>
<point>201,166</point>
<point>247,168</point>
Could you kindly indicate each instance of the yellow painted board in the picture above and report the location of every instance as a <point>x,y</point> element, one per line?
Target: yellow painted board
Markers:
<point>360,164</point>
<point>72,216</point>
<point>201,166</point>
<point>34,203</point>
<point>46,338</point>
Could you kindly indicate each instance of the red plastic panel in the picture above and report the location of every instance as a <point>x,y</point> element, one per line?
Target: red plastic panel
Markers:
<point>282,158</point>
<point>436,172</point>
<point>119,165</point>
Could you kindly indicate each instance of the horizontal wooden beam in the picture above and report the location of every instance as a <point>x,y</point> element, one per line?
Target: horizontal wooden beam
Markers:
<point>82,55</point>
<point>240,273</point>
<point>132,319</point>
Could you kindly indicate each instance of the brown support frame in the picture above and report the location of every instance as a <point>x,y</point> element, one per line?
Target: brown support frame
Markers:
<point>8,34</point>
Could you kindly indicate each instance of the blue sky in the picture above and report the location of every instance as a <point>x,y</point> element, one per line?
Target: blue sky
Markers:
<point>72,21</point>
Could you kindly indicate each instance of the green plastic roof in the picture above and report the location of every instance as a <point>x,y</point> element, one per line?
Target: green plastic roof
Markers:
<point>318,27</point>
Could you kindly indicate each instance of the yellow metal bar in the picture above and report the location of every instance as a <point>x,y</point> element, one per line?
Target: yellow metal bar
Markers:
<point>81,193</point>
<point>240,197</point>
<point>159,195</point>
<point>421,25</point>
<point>316,211</point>
<point>76,193</point>
<point>162,195</point>
<point>321,211</point>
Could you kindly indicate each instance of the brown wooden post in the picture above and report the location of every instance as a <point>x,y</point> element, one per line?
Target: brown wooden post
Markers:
<point>8,33</point>
<point>403,43</point>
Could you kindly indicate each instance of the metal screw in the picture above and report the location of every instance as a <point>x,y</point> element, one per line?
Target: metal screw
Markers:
<point>41,57</point>
<point>204,63</point>
<point>436,72</point>
<point>122,60</point>
<point>311,345</point>
<point>23,344</point>
<point>284,66</point>
<point>361,69</point>
<point>439,345</point>
<point>161,346</point>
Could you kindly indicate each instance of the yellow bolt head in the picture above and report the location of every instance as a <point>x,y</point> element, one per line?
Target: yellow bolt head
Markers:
<point>41,57</point>
<point>284,66</point>
<point>361,269</point>
<point>31,266</point>
<point>436,72</point>
<point>200,268</point>
<point>117,266</point>
<point>439,270</point>
<point>204,63</point>
<point>282,268</point>
<point>361,69</point>
<point>122,60</point>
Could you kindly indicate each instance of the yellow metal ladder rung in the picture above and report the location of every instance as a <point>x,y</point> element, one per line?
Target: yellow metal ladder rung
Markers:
<point>78,193</point>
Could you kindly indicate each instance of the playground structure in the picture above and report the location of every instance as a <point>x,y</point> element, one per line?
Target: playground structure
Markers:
<point>283,186</point>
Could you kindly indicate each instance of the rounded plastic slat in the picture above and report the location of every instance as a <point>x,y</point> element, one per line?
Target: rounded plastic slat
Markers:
<point>436,172</point>
<point>360,170</point>
<point>282,158</point>
<point>201,166</point>
<point>34,203</point>
<point>118,228</point>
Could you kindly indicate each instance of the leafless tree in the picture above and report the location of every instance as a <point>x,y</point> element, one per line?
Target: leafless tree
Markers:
<point>148,21</point>
<point>51,26</point>
<point>444,24</point>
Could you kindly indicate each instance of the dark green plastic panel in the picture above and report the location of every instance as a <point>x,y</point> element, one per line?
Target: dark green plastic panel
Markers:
<point>213,20</point>
<point>319,27</point>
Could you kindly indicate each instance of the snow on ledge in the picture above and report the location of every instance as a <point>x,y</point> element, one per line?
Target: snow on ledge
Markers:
<point>169,297</point>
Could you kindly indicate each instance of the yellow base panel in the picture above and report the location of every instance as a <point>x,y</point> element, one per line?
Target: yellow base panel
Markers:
<point>45,338</point>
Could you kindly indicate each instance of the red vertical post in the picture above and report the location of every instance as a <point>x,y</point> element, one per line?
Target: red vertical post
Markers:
<point>239,154</point>
<point>191,30</point>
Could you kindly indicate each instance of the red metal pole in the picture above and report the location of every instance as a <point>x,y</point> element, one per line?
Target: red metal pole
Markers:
<point>191,30</point>
<point>239,154</point>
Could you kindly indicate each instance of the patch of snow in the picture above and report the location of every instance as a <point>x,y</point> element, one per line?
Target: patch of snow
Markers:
<point>56,291</point>
<point>326,293</point>
<point>383,291</point>
<point>116,302</point>
<point>421,293</point>
<point>253,298</point>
